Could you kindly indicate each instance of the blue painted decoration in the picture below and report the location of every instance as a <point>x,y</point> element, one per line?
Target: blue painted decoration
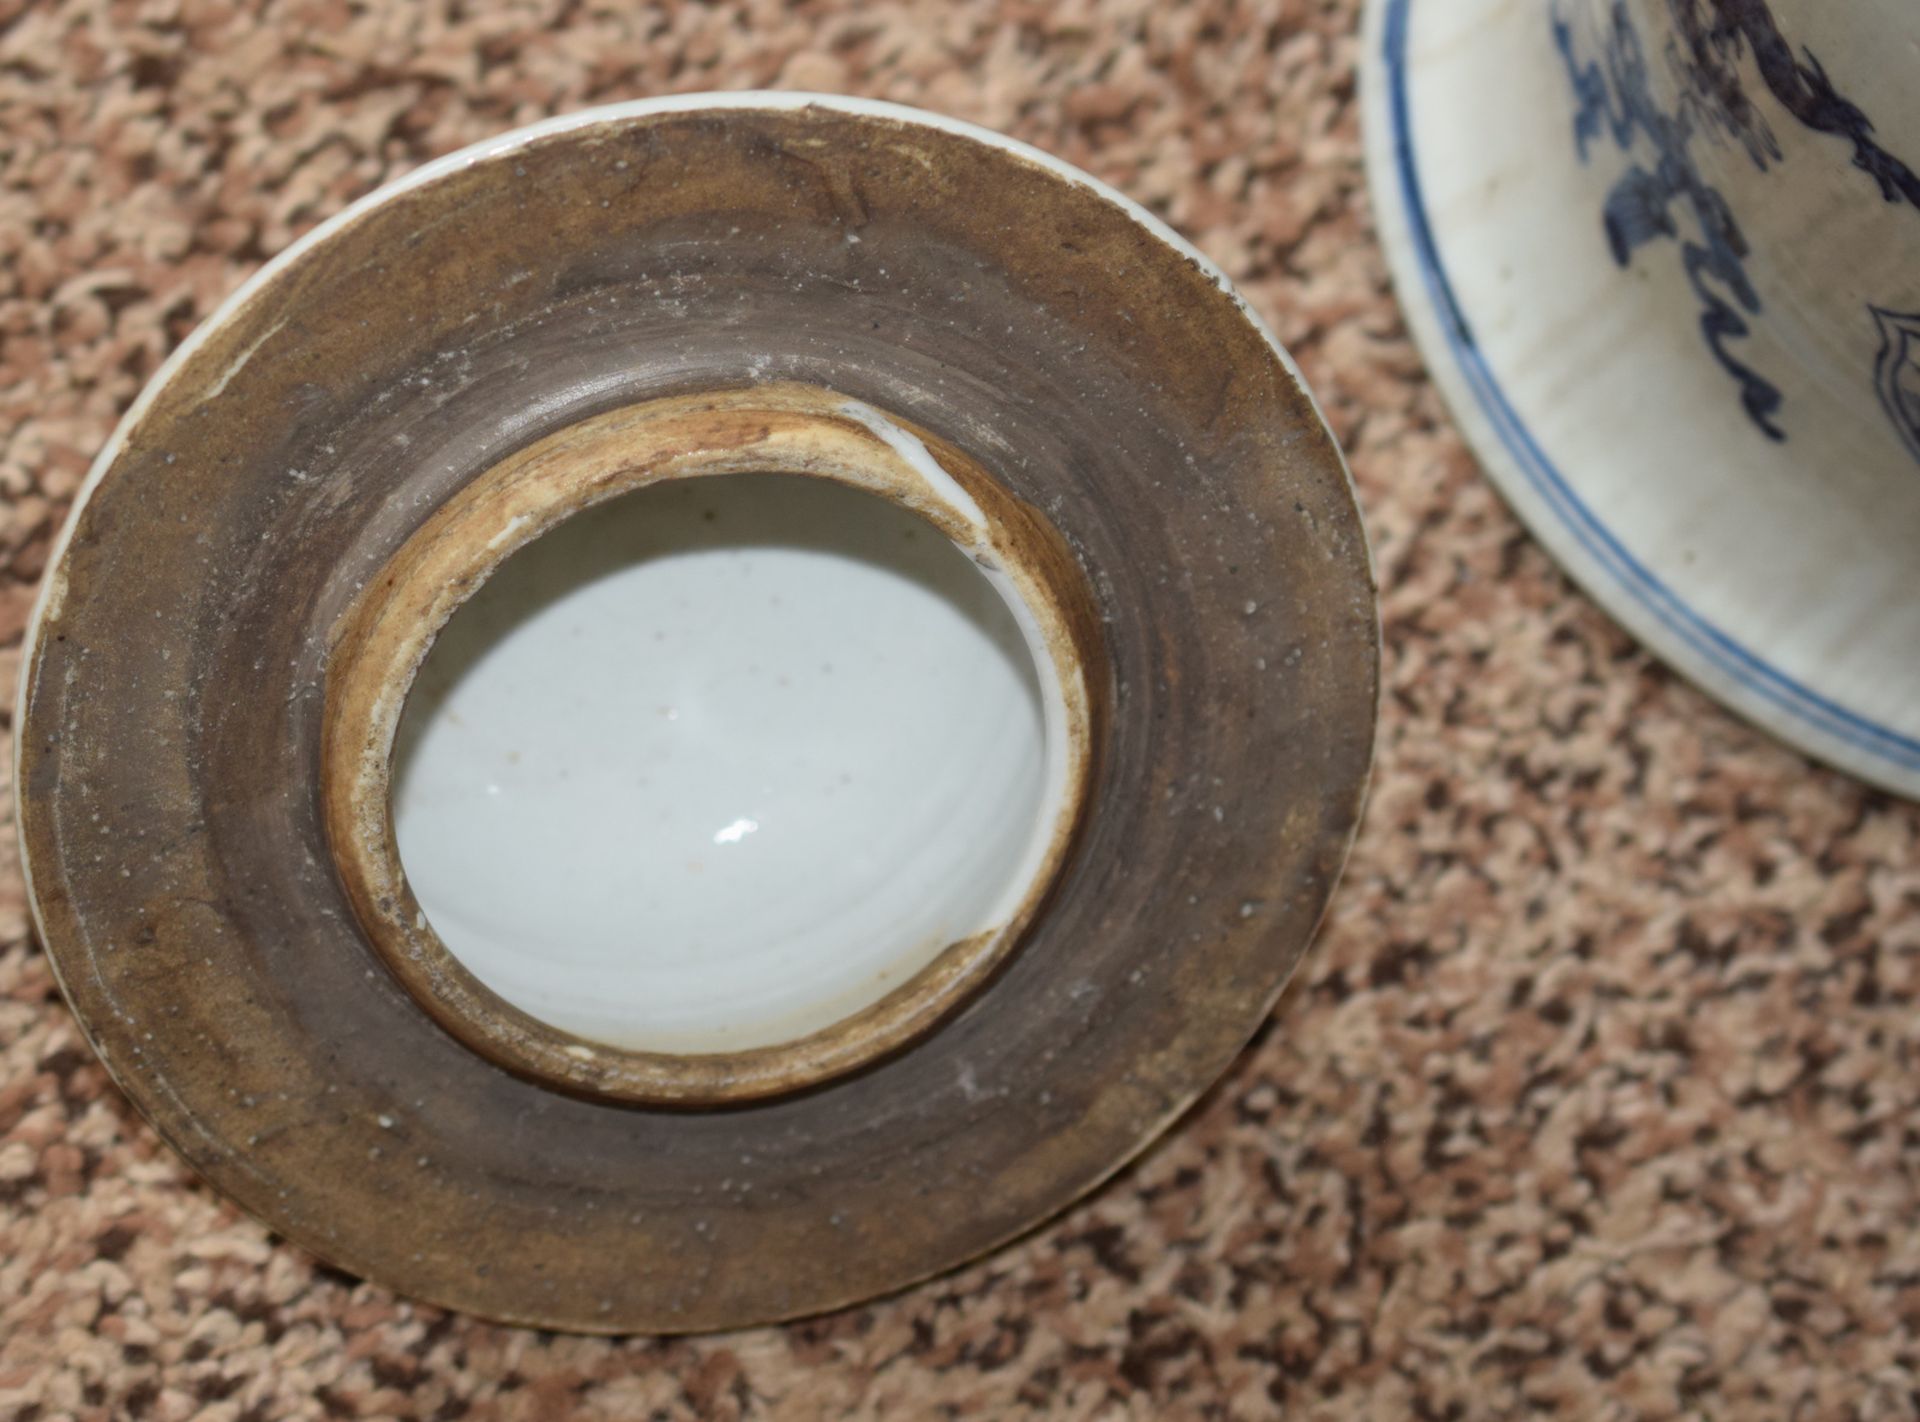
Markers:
<point>1896,372</point>
<point>1663,194</point>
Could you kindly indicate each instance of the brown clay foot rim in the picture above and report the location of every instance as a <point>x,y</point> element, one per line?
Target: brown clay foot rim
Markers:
<point>1051,344</point>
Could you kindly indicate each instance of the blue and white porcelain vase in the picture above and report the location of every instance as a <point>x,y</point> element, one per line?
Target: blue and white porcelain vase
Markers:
<point>1664,259</point>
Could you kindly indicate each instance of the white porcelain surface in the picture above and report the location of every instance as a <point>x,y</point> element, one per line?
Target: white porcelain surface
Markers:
<point>719,762</point>
<point>1673,297</point>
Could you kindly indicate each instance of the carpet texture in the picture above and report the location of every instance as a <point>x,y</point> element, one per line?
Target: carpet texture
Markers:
<point>1598,1098</point>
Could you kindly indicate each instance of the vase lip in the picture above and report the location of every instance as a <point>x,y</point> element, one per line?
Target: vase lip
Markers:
<point>383,638</point>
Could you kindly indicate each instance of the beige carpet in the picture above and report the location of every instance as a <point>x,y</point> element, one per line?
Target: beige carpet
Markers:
<point>1599,1097</point>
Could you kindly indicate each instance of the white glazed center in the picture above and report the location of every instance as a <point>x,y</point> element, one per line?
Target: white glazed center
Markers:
<point>717,763</point>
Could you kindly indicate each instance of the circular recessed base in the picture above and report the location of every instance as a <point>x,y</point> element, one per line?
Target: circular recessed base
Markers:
<point>175,697</point>
<point>1777,574</point>
<point>693,1033</point>
<point>717,763</point>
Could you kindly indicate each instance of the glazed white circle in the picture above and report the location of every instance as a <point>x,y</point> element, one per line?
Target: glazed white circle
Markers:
<point>718,763</point>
